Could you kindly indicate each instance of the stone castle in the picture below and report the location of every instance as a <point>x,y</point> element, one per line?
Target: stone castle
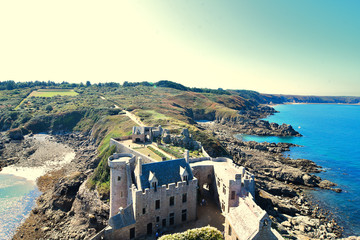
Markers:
<point>148,196</point>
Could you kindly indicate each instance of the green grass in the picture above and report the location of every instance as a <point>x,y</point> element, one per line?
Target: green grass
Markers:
<point>53,92</point>
<point>148,152</point>
<point>101,176</point>
<point>161,155</point>
<point>170,151</point>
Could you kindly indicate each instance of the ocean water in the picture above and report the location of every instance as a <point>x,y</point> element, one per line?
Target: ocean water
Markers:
<point>331,138</point>
<point>17,198</point>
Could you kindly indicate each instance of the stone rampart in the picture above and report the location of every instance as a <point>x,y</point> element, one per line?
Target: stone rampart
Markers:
<point>125,149</point>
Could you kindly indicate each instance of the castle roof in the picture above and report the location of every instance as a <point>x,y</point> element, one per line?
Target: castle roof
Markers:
<point>138,130</point>
<point>166,172</point>
<point>123,219</point>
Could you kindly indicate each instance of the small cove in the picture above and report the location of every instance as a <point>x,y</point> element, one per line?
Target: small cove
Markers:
<point>18,190</point>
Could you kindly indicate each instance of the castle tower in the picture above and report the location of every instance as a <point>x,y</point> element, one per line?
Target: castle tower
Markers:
<point>120,181</point>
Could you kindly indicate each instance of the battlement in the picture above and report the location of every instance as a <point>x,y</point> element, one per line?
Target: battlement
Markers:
<point>164,188</point>
<point>120,159</point>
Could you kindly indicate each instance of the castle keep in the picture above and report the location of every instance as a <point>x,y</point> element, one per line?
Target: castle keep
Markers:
<point>148,196</point>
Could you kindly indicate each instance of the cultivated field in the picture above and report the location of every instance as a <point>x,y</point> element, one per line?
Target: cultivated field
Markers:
<point>53,92</point>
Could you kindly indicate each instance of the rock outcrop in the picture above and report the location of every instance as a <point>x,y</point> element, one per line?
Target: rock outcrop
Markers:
<point>281,183</point>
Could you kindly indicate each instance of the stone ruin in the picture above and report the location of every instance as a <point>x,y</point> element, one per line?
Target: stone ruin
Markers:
<point>184,140</point>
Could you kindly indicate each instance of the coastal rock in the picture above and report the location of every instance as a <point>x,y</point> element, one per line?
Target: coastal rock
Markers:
<point>326,184</point>
<point>15,134</point>
<point>280,181</point>
<point>65,192</point>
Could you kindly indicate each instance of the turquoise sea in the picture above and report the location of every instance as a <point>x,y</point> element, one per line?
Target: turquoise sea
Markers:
<point>17,198</point>
<point>331,138</point>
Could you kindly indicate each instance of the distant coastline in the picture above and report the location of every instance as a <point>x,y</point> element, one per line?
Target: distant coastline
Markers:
<point>295,103</point>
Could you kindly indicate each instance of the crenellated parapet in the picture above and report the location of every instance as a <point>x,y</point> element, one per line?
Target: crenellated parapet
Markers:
<point>172,187</point>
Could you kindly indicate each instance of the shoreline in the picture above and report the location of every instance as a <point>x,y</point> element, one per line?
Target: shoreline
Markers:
<point>283,194</point>
<point>34,173</point>
<point>328,200</point>
<point>46,157</point>
<point>298,103</point>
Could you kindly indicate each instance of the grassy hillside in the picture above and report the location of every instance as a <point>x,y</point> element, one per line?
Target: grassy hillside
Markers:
<point>97,109</point>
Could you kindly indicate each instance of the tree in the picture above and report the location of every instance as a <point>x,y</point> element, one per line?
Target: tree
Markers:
<point>88,83</point>
<point>49,108</point>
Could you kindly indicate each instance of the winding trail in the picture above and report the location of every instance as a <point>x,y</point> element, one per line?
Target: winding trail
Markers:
<point>132,116</point>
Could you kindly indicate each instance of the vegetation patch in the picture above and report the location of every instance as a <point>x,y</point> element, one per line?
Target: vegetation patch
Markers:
<point>101,176</point>
<point>111,127</point>
<point>157,152</point>
<point>204,233</point>
<point>170,151</point>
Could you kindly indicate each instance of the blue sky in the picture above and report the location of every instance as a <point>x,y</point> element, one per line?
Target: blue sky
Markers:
<point>281,46</point>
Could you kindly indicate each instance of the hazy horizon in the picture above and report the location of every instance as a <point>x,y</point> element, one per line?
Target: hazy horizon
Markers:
<point>275,47</point>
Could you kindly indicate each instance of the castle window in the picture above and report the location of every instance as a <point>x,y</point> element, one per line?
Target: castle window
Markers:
<point>185,178</point>
<point>157,219</point>
<point>119,178</point>
<point>132,233</point>
<point>157,204</point>
<point>144,210</point>
<point>172,200</point>
<point>183,215</point>
<point>154,185</point>
<point>172,219</point>
<point>164,222</point>
<point>224,189</point>
<point>230,230</point>
<point>222,206</point>
<point>184,197</point>
<point>232,195</point>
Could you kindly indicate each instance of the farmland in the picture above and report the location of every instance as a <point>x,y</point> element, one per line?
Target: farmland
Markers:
<point>53,92</point>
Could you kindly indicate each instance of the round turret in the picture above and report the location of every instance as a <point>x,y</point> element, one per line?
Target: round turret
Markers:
<point>120,180</point>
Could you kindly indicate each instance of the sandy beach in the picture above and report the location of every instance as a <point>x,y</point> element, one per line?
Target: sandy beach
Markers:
<point>33,173</point>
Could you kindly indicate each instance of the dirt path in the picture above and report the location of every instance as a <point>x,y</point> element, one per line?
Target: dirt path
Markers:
<point>129,114</point>
<point>134,118</point>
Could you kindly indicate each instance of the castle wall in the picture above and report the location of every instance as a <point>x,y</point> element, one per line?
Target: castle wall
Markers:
<point>231,234</point>
<point>204,175</point>
<point>138,137</point>
<point>122,233</point>
<point>222,192</point>
<point>124,149</point>
<point>146,212</point>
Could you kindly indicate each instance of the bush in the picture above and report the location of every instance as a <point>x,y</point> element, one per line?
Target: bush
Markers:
<point>49,108</point>
<point>205,233</point>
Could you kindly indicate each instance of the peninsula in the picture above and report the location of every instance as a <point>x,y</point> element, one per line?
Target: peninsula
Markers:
<point>91,119</point>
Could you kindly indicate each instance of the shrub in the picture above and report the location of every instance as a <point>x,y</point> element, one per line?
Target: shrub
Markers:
<point>204,233</point>
<point>101,176</point>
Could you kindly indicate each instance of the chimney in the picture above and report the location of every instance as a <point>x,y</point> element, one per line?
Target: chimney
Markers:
<point>186,155</point>
<point>139,165</point>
